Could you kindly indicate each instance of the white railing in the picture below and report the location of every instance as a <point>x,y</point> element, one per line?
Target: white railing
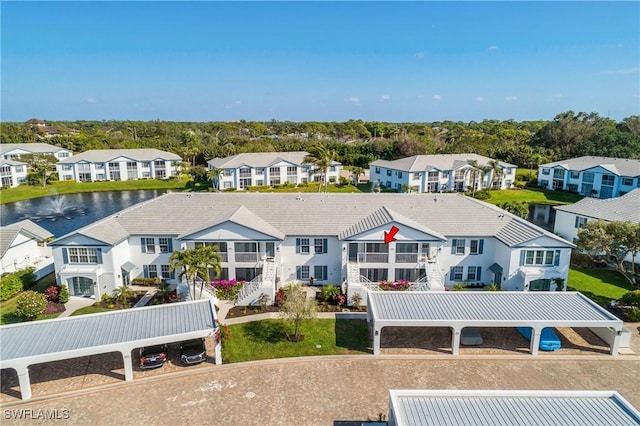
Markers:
<point>373,257</point>
<point>422,284</point>
<point>247,257</point>
<point>406,257</point>
<point>249,287</point>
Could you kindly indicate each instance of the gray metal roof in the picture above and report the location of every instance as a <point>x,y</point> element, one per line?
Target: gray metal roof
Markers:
<point>10,232</point>
<point>260,159</point>
<point>421,163</point>
<point>35,147</point>
<point>104,155</point>
<point>449,215</point>
<point>488,308</point>
<point>625,208</point>
<point>509,407</point>
<point>618,166</point>
<point>62,338</point>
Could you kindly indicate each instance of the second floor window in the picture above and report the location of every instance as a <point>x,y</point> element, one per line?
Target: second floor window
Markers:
<point>302,245</point>
<point>83,255</point>
<point>457,247</point>
<point>545,171</point>
<point>165,245</point>
<point>388,172</point>
<point>477,246</point>
<point>580,222</point>
<point>148,245</point>
<point>608,180</point>
<point>540,257</point>
<point>320,245</point>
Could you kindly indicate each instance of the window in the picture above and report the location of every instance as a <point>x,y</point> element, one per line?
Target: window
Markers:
<point>260,170</point>
<point>456,273</point>
<point>302,272</point>
<point>320,273</point>
<point>302,245</point>
<point>558,173</point>
<point>416,175</point>
<point>608,180</point>
<point>274,171</point>
<point>64,167</point>
<point>148,245</point>
<point>245,173</point>
<point>433,176</point>
<point>606,192</point>
<point>388,185</point>
<point>473,273</point>
<point>625,181</point>
<point>377,171</point>
<point>399,174</point>
<point>227,185</point>
<point>388,172</point>
<point>545,171</point>
<point>83,255</point>
<point>63,154</point>
<point>540,257</point>
<point>457,247</point>
<point>575,175</point>
<point>146,164</point>
<point>166,274</point>
<point>587,177</point>
<point>20,169</point>
<point>580,222</point>
<point>165,245</point>
<point>292,170</point>
<point>459,175</point>
<point>226,172</point>
<point>477,246</point>
<point>320,245</point>
<point>150,271</point>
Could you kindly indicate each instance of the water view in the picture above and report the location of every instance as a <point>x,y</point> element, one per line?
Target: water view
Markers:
<point>61,214</point>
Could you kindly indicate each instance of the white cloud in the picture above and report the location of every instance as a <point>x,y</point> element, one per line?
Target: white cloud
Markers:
<point>480,98</point>
<point>492,48</point>
<point>237,102</point>
<point>623,71</point>
<point>437,97</point>
<point>385,97</point>
<point>92,101</point>
<point>557,95</point>
<point>510,98</point>
<point>419,55</point>
<point>354,100</point>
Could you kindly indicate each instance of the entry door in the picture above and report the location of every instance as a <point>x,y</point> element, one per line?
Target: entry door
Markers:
<point>425,250</point>
<point>83,286</point>
<point>540,285</point>
<point>353,251</point>
<point>270,250</point>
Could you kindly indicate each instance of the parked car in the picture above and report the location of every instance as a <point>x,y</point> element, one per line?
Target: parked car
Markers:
<point>549,341</point>
<point>193,352</point>
<point>153,356</point>
<point>470,336</point>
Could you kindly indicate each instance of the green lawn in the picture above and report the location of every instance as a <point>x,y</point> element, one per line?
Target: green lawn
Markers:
<point>8,307</point>
<point>90,310</point>
<point>537,196</point>
<point>266,339</point>
<point>599,285</point>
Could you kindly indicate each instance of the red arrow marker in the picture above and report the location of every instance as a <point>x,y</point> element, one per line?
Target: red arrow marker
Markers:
<point>390,236</point>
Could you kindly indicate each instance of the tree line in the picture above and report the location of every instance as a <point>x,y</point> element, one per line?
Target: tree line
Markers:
<point>355,142</point>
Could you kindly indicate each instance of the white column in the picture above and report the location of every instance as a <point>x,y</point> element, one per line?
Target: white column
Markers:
<point>455,340</point>
<point>376,340</point>
<point>616,343</point>
<point>535,340</point>
<point>128,365</point>
<point>25,382</point>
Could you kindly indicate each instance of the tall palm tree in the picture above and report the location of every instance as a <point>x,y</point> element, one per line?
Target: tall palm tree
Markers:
<point>356,172</point>
<point>475,170</point>
<point>194,264</point>
<point>495,170</point>
<point>321,157</point>
<point>215,178</point>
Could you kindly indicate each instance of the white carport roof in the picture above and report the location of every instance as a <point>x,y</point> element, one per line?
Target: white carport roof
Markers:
<point>485,309</point>
<point>120,331</point>
<point>485,407</point>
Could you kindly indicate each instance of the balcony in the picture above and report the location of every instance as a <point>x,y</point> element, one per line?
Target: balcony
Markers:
<point>373,257</point>
<point>247,257</point>
<point>406,257</point>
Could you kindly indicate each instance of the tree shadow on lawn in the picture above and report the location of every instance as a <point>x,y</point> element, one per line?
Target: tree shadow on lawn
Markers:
<point>353,334</point>
<point>266,331</point>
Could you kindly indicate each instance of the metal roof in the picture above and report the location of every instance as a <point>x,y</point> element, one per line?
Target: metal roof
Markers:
<point>619,166</point>
<point>292,214</point>
<point>10,232</point>
<point>421,163</point>
<point>487,308</point>
<point>260,159</point>
<point>103,155</point>
<point>64,338</point>
<point>625,208</point>
<point>510,407</point>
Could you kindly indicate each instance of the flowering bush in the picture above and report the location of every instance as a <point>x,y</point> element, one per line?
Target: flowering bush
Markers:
<point>52,293</point>
<point>30,304</point>
<point>227,289</point>
<point>53,308</point>
<point>400,285</point>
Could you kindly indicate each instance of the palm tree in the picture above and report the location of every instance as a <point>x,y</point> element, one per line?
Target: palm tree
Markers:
<point>321,157</point>
<point>475,170</point>
<point>122,293</point>
<point>163,289</point>
<point>496,172</point>
<point>194,264</point>
<point>356,172</point>
<point>215,178</point>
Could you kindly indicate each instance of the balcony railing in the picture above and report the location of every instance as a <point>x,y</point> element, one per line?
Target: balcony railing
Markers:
<point>406,257</point>
<point>224,256</point>
<point>247,257</point>
<point>373,257</point>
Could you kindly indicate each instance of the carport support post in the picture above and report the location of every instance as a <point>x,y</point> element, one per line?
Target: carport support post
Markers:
<point>455,340</point>
<point>535,340</point>
<point>376,340</point>
<point>616,343</point>
<point>128,365</point>
<point>25,382</point>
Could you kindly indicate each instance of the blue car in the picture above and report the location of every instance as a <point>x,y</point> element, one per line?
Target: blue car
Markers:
<point>548,339</point>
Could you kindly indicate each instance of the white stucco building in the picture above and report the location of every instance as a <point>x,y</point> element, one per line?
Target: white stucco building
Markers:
<point>118,164</point>
<point>444,172</point>
<point>12,173</point>
<point>269,168</point>
<point>24,244</point>
<point>274,239</point>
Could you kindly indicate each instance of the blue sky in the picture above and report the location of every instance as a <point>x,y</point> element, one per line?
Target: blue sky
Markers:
<point>325,61</point>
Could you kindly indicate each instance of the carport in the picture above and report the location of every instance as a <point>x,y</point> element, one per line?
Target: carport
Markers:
<point>120,331</point>
<point>461,309</point>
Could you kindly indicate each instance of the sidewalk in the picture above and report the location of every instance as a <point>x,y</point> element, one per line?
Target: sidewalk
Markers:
<point>74,304</point>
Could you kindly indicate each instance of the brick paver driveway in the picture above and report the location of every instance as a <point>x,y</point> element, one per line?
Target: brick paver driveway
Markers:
<point>320,391</point>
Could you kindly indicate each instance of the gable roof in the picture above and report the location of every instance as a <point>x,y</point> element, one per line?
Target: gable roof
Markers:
<point>625,208</point>
<point>421,163</point>
<point>382,217</point>
<point>104,155</point>
<point>12,163</point>
<point>260,159</point>
<point>9,233</point>
<point>35,148</point>
<point>108,231</point>
<point>244,217</point>
<point>618,166</point>
<point>449,215</point>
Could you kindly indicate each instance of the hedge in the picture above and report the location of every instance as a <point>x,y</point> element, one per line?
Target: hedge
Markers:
<point>14,283</point>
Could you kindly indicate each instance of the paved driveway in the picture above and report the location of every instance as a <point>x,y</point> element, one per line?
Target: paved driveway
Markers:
<point>320,391</point>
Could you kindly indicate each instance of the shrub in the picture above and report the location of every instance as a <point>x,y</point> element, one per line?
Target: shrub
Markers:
<point>229,189</point>
<point>633,314</point>
<point>492,287</point>
<point>106,298</point>
<point>10,286</point>
<point>483,194</point>
<point>343,181</point>
<point>631,298</point>
<point>53,308</point>
<point>356,299</point>
<point>63,296</point>
<point>227,289</point>
<point>263,301</point>
<point>30,304</point>
<point>400,285</point>
<point>145,281</point>
<point>52,293</point>
<point>281,297</point>
<point>329,293</point>
<point>458,287</point>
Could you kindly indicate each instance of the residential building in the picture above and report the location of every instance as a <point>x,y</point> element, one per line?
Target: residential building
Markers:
<point>572,217</point>
<point>271,239</point>
<point>12,173</point>
<point>24,244</point>
<point>269,168</point>
<point>441,173</point>
<point>119,164</point>
<point>599,177</point>
<point>13,151</point>
<point>43,131</point>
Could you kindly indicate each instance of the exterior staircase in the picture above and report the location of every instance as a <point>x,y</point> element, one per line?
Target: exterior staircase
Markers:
<point>434,277</point>
<point>265,283</point>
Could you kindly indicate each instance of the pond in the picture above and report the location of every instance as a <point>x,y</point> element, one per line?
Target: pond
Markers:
<point>61,214</point>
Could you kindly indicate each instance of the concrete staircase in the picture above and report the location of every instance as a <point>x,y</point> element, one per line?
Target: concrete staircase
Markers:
<point>434,277</point>
<point>264,283</point>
